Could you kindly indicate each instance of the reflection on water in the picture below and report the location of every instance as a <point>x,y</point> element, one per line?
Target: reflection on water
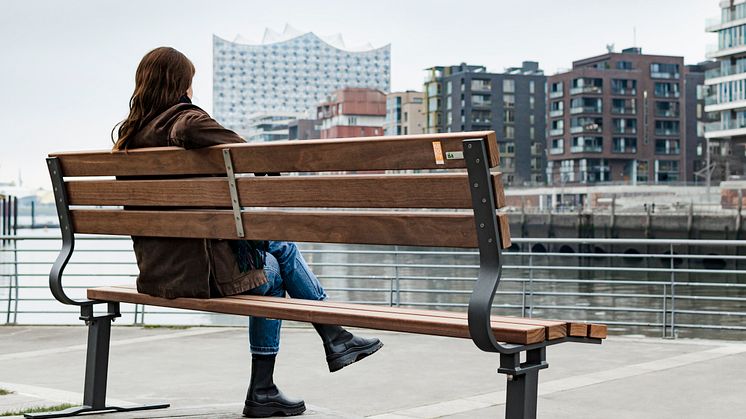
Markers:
<point>629,293</point>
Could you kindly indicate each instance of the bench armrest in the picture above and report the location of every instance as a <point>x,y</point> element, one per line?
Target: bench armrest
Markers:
<point>490,252</point>
<point>68,237</point>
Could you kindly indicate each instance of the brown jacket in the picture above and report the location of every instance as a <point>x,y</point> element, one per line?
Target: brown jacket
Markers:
<point>173,267</point>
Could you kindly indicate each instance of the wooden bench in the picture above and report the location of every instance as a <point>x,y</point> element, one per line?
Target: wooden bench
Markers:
<point>183,197</point>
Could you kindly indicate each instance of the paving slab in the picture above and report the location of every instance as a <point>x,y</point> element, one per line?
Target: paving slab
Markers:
<point>203,372</point>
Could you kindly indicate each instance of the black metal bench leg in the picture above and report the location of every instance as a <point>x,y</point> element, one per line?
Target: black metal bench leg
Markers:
<point>96,369</point>
<point>523,382</point>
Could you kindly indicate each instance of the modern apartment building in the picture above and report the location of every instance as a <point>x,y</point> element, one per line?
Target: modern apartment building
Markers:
<point>621,117</point>
<point>289,73</point>
<point>468,98</point>
<point>304,129</point>
<point>405,113</point>
<point>726,100</point>
<point>268,127</point>
<point>352,112</point>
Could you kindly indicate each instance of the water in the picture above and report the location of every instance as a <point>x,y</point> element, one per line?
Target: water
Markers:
<point>631,301</point>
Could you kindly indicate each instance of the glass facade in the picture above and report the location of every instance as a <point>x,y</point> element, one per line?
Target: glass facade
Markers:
<point>291,76</point>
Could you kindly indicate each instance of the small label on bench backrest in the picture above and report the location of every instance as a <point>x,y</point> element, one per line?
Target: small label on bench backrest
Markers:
<point>455,155</point>
<point>438,151</point>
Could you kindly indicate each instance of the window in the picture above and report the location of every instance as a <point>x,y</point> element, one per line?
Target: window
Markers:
<point>508,86</point>
<point>667,127</point>
<point>587,145</point>
<point>666,170</point>
<point>667,109</point>
<point>624,65</point>
<point>555,90</point>
<point>509,131</point>
<point>623,87</point>
<point>531,133</point>
<point>663,146</point>
<point>623,145</point>
<point>506,148</point>
<point>642,170</point>
<point>558,146</point>
<point>509,116</point>
<point>508,101</point>
<point>624,126</point>
<point>663,89</point>
<point>449,88</point>
<point>664,71</point>
<point>531,87</point>
<point>531,102</point>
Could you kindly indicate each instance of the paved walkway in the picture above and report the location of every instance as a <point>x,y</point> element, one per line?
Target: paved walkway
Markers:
<point>203,372</point>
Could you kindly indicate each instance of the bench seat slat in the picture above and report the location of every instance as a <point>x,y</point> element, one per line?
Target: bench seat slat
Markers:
<point>361,154</point>
<point>272,307</point>
<point>554,329</point>
<point>441,229</point>
<point>350,191</point>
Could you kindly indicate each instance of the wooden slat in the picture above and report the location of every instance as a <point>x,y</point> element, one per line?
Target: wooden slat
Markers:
<point>439,229</point>
<point>577,330</point>
<point>348,191</point>
<point>275,308</point>
<point>369,153</point>
<point>554,329</point>
<point>599,331</point>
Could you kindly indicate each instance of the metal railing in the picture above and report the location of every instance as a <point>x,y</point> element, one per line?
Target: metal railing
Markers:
<point>693,288</point>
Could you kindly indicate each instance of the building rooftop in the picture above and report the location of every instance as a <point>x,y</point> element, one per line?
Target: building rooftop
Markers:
<point>289,33</point>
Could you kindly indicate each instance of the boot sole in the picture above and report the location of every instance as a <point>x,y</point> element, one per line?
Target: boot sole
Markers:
<point>265,410</point>
<point>353,355</point>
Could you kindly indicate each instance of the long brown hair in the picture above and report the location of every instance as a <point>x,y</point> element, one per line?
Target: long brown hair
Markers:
<point>162,78</point>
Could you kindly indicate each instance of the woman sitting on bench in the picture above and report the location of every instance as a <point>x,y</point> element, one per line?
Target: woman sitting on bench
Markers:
<point>161,114</point>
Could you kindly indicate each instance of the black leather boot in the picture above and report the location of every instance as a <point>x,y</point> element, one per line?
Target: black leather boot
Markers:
<point>264,399</point>
<point>343,348</point>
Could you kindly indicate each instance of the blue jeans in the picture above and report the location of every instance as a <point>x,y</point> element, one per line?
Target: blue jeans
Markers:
<point>287,272</point>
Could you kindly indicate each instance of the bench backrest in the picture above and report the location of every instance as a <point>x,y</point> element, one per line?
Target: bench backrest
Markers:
<point>200,193</point>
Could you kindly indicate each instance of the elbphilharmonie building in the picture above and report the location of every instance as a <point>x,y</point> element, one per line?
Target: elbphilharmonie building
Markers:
<point>289,73</point>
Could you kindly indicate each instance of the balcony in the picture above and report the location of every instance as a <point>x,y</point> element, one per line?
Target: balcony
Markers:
<point>556,131</point>
<point>667,93</point>
<point>554,95</point>
<point>624,91</point>
<point>556,113</point>
<point>669,113</point>
<point>481,104</point>
<point>586,149</point>
<point>663,75</point>
<point>585,89</point>
<point>625,130</point>
<point>480,87</point>
<point>625,150</point>
<point>666,131</point>
<point>585,109</point>
<point>717,129</point>
<point>586,128</point>
<point>558,150</point>
<point>624,111</point>
<point>738,68</point>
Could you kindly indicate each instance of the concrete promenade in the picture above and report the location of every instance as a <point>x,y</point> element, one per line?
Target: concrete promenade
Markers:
<point>203,372</point>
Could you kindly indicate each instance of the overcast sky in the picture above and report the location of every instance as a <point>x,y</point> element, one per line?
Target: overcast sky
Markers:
<point>67,67</point>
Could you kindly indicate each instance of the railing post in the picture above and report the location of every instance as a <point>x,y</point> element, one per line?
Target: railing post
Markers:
<point>530,283</point>
<point>15,281</point>
<point>396,276</point>
<point>673,294</point>
<point>665,313</point>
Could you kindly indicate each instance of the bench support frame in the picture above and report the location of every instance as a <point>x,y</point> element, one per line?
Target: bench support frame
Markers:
<point>99,326</point>
<point>523,378</point>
